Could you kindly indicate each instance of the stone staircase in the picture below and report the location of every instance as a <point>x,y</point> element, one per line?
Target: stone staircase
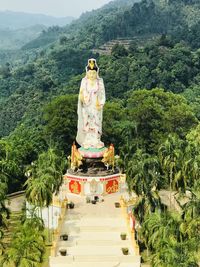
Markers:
<point>94,238</point>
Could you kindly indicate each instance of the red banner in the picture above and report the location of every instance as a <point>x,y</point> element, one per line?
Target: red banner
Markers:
<point>112,186</point>
<point>74,187</point>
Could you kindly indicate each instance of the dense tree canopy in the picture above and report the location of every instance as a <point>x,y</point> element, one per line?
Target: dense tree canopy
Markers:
<point>60,117</point>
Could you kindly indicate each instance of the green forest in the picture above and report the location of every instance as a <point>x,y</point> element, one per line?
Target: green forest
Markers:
<point>151,115</point>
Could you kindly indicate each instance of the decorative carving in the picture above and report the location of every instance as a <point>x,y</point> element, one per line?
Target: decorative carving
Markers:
<point>76,158</point>
<point>112,186</point>
<point>74,187</point>
<point>109,157</point>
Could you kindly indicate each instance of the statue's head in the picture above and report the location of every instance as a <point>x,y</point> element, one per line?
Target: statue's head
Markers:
<point>92,69</point>
<point>92,65</point>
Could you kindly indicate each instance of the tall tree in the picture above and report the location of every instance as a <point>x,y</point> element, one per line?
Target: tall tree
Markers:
<point>60,118</point>
<point>158,114</point>
<point>142,178</point>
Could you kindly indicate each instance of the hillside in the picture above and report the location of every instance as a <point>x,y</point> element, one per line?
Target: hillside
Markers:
<point>18,20</point>
<point>128,19</point>
<point>15,39</point>
<point>47,72</point>
<point>18,29</point>
<point>87,21</point>
<point>177,18</point>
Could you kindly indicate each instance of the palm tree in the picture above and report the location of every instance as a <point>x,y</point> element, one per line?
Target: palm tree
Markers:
<point>147,204</point>
<point>192,162</point>
<point>172,254</point>
<point>142,173</point>
<point>51,165</point>
<point>168,244</point>
<point>32,219</point>
<point>190,226</point>
<point>26,249</point>
<point>46,178</point>
<point>171,158</point>
<point>161,226</point>
<point>39,191</point>
<point>129,131</point>
<point>142,177</point>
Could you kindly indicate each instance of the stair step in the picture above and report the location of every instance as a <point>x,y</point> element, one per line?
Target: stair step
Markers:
<point>99,258</point>
<point>73,242</point>
<point>102,228</point>
<point>84,264</point>
<point>115,236</point>
<point>80,259</point>
<point>121,243</point>
<point>77,229</point>
<point>96,264</point>
<point>97,221</point>
<point>90,251</point>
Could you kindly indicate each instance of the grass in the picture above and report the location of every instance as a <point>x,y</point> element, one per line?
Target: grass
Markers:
<point>12,224</point>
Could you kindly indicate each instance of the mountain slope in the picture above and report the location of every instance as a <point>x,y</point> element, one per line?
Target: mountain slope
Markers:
<point>127,19</point>
<point>89,23</point>
<point>17,28</point>
<point>15,39</point>
<point>175,17</point>
<point>18,20</point>
<point>57,68</point>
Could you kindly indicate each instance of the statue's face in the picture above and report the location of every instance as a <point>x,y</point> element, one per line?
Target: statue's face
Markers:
<point>92,75</point>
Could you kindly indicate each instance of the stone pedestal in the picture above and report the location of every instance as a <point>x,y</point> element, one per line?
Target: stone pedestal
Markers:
<point>93,177</point>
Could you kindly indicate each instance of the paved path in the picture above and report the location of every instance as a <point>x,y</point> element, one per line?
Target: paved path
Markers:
<point>15,204</point>
<point>94,236</point>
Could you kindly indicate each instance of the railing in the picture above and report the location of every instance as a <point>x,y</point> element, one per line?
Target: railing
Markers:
<point>124,206</point>
<point>16,194</point>
<point>57,231</point>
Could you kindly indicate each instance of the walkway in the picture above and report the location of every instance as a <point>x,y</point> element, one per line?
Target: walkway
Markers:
<point>94,236</point>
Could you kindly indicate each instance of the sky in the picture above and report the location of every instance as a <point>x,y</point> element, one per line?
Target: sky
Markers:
<point>57,8</point>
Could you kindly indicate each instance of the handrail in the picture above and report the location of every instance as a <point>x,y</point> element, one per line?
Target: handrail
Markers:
<point>15,194</point>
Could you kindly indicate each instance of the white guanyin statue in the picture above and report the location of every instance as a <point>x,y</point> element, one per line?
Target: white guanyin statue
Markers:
<point>90,108</point>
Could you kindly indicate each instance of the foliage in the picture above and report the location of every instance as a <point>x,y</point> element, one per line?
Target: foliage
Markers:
<point>16,38</point>
<point>115,112</point>
<point>60,118</point>
<point>168,244</point>
<point>44,178</point>
<point>158,114</point>
<point>27,247</point>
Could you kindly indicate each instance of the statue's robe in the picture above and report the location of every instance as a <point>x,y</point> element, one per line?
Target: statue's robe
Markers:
<point>90,112</point>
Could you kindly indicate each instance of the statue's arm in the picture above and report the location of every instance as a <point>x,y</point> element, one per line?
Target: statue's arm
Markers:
<point>102,96</point>
<point>81,91</point>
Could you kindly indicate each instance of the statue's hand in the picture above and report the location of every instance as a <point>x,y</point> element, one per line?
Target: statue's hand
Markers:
<point>81,97</point>
<point>99,107</point>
